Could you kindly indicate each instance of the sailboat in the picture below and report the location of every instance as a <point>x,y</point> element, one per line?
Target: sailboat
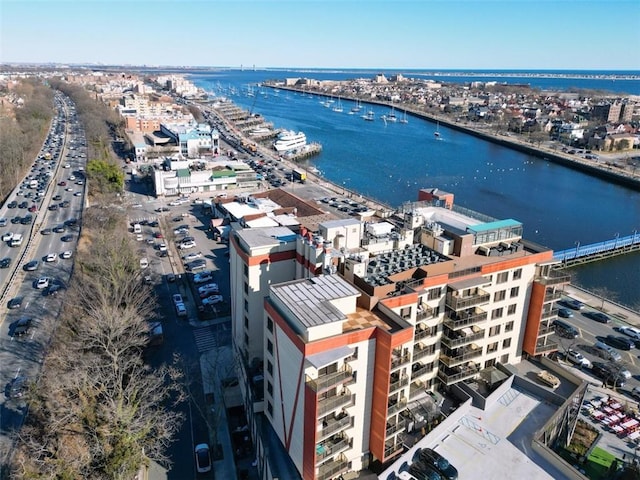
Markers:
<point>392,115</point>
<point>437,132</point>
<point>338,107</point>
<point>370,116</point>
<point>404,118</point>
<point>356,109</point>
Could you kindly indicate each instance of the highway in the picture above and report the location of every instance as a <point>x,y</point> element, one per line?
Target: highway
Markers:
<point>63,155</point>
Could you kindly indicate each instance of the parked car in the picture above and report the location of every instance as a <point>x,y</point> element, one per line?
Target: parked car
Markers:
<point>565,313</point>
<point>202,277</point>
<point>185,245</point>
<point>14,303</point>
<point>564,329</point>
<point>635,393</point>
<point>430,457</point>
<point>66,254</point>
<point>31,266</point>
<point>22,327</point>
<point>213,300</point>
<point>5,262</point>
<point>606,351</point>
<point>630,332</point>
<point>203,458</point>
<point>598,316</point>
<point>177,298</point>
<point>191,256</point>
<point>423,471</point>
<point>42,282</point>
<point>198,264</point>
<point>18,387</point>
<point>577,358</point>
<point>609,376</point>
<point>181,310</point>
<point>621,343</point>
<point>572,303</point>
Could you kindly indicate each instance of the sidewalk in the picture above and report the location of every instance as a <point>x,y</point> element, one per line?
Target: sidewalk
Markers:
<point>619,313</point>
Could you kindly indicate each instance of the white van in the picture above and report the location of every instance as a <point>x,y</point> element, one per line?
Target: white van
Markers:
<point>137,228</point>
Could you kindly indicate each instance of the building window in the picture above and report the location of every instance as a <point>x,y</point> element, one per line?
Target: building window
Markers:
<point>517,274</point>
<point>405,312</point>
<point>508,327</point>
<point>506,343</point>
<point>511,309</point>
<point>490,363</point>
<point>497,313</point>
<point>246,322</point>
<point>433,294</point>
<point>270,367</point>
<point>270,409</point>
<point>270,388</point>
<point>270,324</point>
<point>492,347</point>
<point>246,305</point>
<point>270,347</point>
<point>246,288</point>
<point>502,277</point>
<point>504,359</point>
<point>246,270</point>
<point>515,291</point>
<point>495,330</point>
<point>501,295</point>
<point>246,339</point>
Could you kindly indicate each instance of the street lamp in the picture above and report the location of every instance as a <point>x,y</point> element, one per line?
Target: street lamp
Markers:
<point>615,245</point>
<point>577,244</point>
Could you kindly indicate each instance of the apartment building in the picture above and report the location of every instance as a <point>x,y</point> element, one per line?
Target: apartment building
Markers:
<point>360,323</point>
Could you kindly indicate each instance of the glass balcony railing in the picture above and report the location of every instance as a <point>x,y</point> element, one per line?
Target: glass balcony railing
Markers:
<point>549,314</point>
<point>421,333</point>
<point>398,360</point>
<point>456,320</point>
<point>552,296</point>
<point>332,446</point>
<point>461,356</point>
<point>392,450</point>
<point>393,408</point>
<point>548,347</point>
<point>332,425</point>
<point>455,340</point>
<point>422,351</point>
<point>398,426</point>
<point>450,376</point>
<point>326,381</point>
<point>333,468</point>
<point>329,404</point>
<point>425,312</point>
<point>458,302</point>
<point>554,278</point>
<point>401,382</point>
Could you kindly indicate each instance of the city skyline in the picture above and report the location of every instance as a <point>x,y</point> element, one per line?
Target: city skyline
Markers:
<point>470,34</point>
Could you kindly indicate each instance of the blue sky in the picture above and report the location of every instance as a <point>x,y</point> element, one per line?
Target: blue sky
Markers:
<point>429,34</point>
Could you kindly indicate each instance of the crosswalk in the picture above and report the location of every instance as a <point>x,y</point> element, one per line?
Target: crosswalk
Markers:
<point>205,338</point>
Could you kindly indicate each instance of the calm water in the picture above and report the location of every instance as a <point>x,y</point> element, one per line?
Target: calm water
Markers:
<point>558,206</point>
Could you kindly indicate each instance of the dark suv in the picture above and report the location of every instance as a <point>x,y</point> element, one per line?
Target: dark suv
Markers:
<point>434,459</point>
<point>621,343</point>
<point>608,374</point>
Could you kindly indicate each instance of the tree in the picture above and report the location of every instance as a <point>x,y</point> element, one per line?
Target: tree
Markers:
<point>604,294</point>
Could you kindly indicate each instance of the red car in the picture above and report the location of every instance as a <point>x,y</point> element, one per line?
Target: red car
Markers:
<point>33,208</point>
<point>62,184</point>
<point>158,235</point>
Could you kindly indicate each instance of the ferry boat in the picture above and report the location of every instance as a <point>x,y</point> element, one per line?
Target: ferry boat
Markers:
<point>289,140</point>
<point>260,131</point>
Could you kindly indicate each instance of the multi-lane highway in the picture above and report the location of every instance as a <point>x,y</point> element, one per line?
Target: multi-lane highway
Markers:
<point>37,270</point>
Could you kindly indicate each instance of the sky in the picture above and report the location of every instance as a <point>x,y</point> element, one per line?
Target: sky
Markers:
<point>416,34</point>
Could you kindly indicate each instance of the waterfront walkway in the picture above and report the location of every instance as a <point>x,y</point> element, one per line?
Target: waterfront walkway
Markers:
<point>598,251</point>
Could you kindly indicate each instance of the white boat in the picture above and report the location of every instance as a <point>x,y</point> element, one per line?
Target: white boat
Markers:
<point>370,116</point>
<point>437,132</point>
<point>392,116</point>
<point>404,118</point>
<point>260,131</point>
<point>289,140</point>
<point>338,107</point>
<point>357,108</point>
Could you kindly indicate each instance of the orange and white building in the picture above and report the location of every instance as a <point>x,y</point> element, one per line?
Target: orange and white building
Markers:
<point>343,333</point>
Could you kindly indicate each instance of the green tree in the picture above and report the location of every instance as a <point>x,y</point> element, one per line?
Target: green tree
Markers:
<point>106,176</point>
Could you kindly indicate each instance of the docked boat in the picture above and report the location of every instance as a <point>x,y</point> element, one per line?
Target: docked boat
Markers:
<point>437,132</point>
<point>289,140</point>
<point>355,109</point>
<point>338,107</point>
<point>391,117</point>
<point>260,131</point>
<point>404,118</point>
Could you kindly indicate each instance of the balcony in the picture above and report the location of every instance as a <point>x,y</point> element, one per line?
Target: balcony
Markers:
<point>391,450</point>
<point>399,383</point>
<point>453,375</point>
<point>326,381</point>
<point>396,427</point>
<point>420,370</point>
<point>554,278</point>
<point>421,333</point>
<point>420,351</point>
<point>396,406</point>
<point>398,360</point>
<point>331,447</point>
<point>424,311</point>
<point>459,302</point>
<point>333,468</point>
<point>545,330</point>
<point>552,296</point>
<point>553,313</point>
<point>461,355</point>
<point>455,339</point>
<point>457,320</point>
<point>334,402</point>
<point>332,425</point>
<point>548,347</point>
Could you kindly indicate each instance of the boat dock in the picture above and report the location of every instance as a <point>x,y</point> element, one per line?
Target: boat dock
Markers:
<point>309,150</point>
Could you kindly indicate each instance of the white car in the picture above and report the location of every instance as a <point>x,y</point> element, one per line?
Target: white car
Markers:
<point>578,359</point>
<point>175,203</point>
<point>66,254</point>
<point>208,286</point>
<point>630,332</point>
<point>181,310</point>
<point>191,256</point>
<point>77,194</point>
<point>66,165</point>
<point>186,245</point>
<point>52,257</point>
<point>7,236</point>
<point>177,298</point>
<point>181,231</point>
<point>213,299</point>
<point>162,247</point>
<point>203,277</point>
<point>43,282</point>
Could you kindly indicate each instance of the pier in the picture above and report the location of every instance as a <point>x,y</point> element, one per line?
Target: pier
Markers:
<point>598,251</point>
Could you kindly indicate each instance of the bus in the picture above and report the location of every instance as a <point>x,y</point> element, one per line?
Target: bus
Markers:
<point>299,175</point>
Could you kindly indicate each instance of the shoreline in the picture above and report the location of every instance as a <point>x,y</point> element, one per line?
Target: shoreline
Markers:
<point>591,167</point>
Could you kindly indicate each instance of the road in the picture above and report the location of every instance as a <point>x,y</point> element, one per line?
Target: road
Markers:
<point>21,356</point>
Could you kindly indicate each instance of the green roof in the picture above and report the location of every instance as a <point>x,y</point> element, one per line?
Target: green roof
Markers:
<point>183,173</point>
<point>222,173</point>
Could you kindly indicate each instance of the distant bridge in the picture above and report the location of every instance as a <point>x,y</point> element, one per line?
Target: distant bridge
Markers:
<point>598,251</point>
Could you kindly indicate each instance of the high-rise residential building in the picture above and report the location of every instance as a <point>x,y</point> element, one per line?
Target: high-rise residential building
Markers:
<point>342,333</point>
